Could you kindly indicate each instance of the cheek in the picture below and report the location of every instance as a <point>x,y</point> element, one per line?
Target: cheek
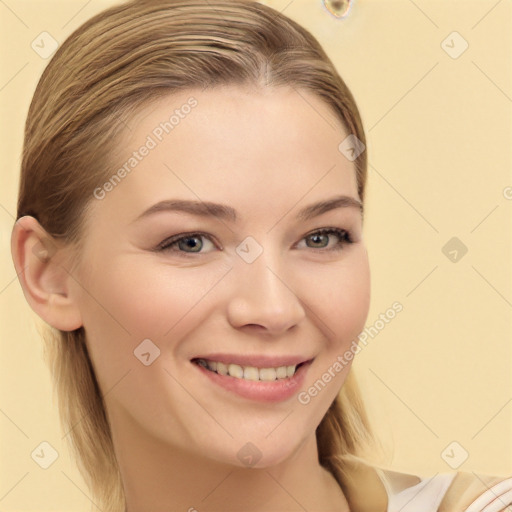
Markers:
<point>131,301</point>
<point>151,300</point>
<point>354,301</point>
<point>339,296</point>
<point>341,309</point>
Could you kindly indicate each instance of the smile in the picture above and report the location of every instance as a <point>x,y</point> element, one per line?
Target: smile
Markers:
<point>274,381</point>
<point>248,372</point>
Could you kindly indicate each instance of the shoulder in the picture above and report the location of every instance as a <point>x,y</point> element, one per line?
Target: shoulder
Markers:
<point>447,492</point>
<point>377,488</point>
<point>472,492</point>
<point>414,493</point>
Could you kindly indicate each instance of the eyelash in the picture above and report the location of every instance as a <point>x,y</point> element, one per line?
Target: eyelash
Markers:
<point>344,236</point>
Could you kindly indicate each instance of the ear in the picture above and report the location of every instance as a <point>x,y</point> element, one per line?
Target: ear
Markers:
<point>41,264</point>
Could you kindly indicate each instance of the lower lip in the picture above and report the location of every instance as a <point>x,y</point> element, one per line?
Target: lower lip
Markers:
<point>262,391</point>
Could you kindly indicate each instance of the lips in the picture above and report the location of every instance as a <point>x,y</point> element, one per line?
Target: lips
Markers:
<point>249,388</point>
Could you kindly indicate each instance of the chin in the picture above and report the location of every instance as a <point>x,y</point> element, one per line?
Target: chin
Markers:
<point>261,452</point>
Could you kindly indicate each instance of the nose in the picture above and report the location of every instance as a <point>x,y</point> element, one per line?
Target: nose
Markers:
<point>264,301</point>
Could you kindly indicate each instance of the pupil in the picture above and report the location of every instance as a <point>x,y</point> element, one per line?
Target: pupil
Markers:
<point>191,242</point>
<point>316,237</point>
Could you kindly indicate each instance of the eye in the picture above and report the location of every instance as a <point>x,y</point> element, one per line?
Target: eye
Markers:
<point>186,244</point>
<point>183,242</point>
<point>320,239</point>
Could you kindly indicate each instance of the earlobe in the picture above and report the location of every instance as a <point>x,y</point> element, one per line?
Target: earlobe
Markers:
<point>39,260</point>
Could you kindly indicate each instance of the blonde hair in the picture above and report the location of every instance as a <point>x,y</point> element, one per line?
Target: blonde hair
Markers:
<point>114,64</point>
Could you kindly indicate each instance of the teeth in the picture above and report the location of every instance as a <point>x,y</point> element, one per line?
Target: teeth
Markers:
<point>222,369</point>
<point>236,371</point>
<point>268,374</point>
<point>249,372</point>
<point>281,372</point>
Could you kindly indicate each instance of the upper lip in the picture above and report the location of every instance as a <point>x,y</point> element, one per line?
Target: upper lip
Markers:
<point>259,361</point>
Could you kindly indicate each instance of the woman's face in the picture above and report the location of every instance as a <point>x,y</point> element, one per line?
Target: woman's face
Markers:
<point>261,291</point>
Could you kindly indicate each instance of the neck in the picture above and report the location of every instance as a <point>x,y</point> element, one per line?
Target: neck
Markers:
<point>164,478</point>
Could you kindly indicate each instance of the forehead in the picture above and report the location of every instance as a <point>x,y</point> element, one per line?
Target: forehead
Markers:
<point>233,145</point>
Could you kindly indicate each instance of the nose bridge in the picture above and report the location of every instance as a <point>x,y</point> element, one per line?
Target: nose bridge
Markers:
<point>261,294</point>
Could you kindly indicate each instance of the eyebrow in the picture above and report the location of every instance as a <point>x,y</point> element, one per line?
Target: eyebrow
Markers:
<point>224,212</point>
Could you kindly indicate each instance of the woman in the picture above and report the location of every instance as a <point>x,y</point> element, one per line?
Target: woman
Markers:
<point>190,225</point>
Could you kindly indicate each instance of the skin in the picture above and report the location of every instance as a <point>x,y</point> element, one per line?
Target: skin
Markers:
<point>267,153</point>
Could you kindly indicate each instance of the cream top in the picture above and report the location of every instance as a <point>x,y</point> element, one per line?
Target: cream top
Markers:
<point>426,493</point>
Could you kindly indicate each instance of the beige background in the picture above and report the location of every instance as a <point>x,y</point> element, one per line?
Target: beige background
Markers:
<point>439,138</point>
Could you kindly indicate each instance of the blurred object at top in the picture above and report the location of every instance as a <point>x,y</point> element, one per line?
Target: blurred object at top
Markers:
<point>338,8</point>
